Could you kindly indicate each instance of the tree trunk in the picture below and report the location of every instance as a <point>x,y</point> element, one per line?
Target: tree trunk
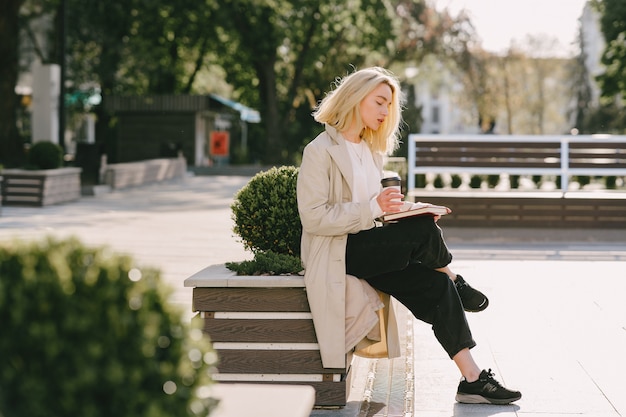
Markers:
<point>11,148</point>
<point>270,114</point>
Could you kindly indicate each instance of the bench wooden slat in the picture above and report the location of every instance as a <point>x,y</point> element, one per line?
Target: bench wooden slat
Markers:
<point>272,362</point>
<point>250,299</point>
<point>261,330</point>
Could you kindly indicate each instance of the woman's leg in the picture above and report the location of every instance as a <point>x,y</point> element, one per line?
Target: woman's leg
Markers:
<point>432,298</point>
<point>396,245</point>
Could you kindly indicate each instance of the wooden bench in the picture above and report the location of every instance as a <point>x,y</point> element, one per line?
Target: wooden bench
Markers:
<point>262,330</point>
<point>131,174</point>
<point>560,156</point>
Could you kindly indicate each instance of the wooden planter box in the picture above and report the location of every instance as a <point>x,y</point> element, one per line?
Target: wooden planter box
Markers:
<point>40,188</point>
<point>262,330</point>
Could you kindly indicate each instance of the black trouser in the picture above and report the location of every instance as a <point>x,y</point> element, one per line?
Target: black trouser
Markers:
<point>400,259</point>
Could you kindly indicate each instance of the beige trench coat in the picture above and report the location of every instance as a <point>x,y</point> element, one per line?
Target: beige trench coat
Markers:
<point>346,311</point>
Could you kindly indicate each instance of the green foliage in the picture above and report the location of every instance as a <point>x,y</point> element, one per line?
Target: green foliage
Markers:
<point>438,181</point>
<point>493,180</point>
<point>613,26</point>
<point>45,155</point>
<point>537,180</point>
<point>87,333</point>
<point>420,181</point>
<point>583,180</point>
<point>476,181</point>
<point>267,263</point>
<point>265,212</point>
<point>456,181</point>
<point>514,181</point>
<point>610,182</point>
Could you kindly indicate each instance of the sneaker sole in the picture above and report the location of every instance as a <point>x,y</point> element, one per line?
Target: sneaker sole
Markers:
<point>480,308</point>
<point>479,399</point>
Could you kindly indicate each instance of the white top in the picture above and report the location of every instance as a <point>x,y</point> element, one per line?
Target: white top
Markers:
<point>366,176</point>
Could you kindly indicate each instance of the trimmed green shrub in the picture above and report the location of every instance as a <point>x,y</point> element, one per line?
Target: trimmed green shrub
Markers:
<point>456,181</point>
<point>420,180</point>
<point>267,263</point>
<point>265,212</point>
<point>493,180</point>
<point>438,181</point>
<point>87,333</point>
<point>583,180</point>
<point>45,155</point>
<point>476,181</point>
<point>610,182</point>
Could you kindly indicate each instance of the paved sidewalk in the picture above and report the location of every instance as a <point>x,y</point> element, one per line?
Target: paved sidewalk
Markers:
<point>555,329</point>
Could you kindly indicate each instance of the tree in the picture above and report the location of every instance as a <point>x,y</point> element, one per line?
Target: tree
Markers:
<point>11,148</point>
<point>613,26</point>
<point>281,56</point>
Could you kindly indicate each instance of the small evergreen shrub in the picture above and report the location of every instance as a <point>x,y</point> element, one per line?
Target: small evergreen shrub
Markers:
<point>420,180</point>
<point>438,181</point>
<point>266,218</point>
<point>265,212</point>
<point>610,182</point>
<point>267,263</point>
<point>86,333</point>
<point>583,180</point>
<point>493,180</point>
<point>45,155</point>
<point>456,181</point>
<point>476,181</point>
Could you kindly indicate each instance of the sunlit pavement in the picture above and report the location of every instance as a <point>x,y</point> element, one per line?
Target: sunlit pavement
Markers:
<point>555,328</point>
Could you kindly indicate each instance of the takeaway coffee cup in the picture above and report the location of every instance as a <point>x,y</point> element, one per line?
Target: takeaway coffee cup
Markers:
<point>393,182</point>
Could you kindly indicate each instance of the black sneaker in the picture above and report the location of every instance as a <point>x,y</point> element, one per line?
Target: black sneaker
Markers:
<point>473,300</point>
<point>485,390</point>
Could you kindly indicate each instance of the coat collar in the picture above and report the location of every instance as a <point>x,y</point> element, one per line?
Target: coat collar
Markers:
<point>341,155</point>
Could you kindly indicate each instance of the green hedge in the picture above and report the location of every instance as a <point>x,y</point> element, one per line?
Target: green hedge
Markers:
<point>265,212</point>
<point>87,333</point>
<point>45,155</point>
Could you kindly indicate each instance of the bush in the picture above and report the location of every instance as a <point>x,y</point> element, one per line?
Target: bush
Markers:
<point>493,180</point>
<point>265,212</point>
<point>456,181</point>
<point>476,181</point>
<point>86,333</point>
<point>45,155</point>
<point>267,263</point>
<point>438,181</point>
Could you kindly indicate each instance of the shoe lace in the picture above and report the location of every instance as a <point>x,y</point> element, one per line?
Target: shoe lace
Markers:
<point>460,282</point>
<point>491,378</point>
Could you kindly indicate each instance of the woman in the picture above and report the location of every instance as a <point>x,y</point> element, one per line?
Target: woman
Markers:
<point>347,255</point>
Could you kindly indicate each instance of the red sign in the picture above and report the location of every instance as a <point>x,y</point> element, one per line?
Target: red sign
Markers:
<point>219,143</point>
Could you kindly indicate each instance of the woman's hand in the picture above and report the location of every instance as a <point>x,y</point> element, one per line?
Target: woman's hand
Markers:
<point>390,200</point>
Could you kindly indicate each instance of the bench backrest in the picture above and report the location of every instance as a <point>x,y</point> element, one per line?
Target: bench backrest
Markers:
<point>517,155</point>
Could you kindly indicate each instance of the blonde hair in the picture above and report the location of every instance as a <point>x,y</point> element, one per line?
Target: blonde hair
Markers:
<point>340,107</point>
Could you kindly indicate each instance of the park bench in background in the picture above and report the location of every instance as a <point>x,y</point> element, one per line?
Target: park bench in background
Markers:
<point>559,156</point>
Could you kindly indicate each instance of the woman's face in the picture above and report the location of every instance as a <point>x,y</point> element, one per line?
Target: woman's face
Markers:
<point>374,107</point>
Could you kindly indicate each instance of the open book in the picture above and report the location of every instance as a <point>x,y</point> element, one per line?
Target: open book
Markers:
<point>416,209</point>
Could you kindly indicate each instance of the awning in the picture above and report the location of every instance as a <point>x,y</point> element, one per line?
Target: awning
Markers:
<point>246,114</point>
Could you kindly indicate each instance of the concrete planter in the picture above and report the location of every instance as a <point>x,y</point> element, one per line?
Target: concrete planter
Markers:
<point>262,330</point>
<point>40,188</point>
